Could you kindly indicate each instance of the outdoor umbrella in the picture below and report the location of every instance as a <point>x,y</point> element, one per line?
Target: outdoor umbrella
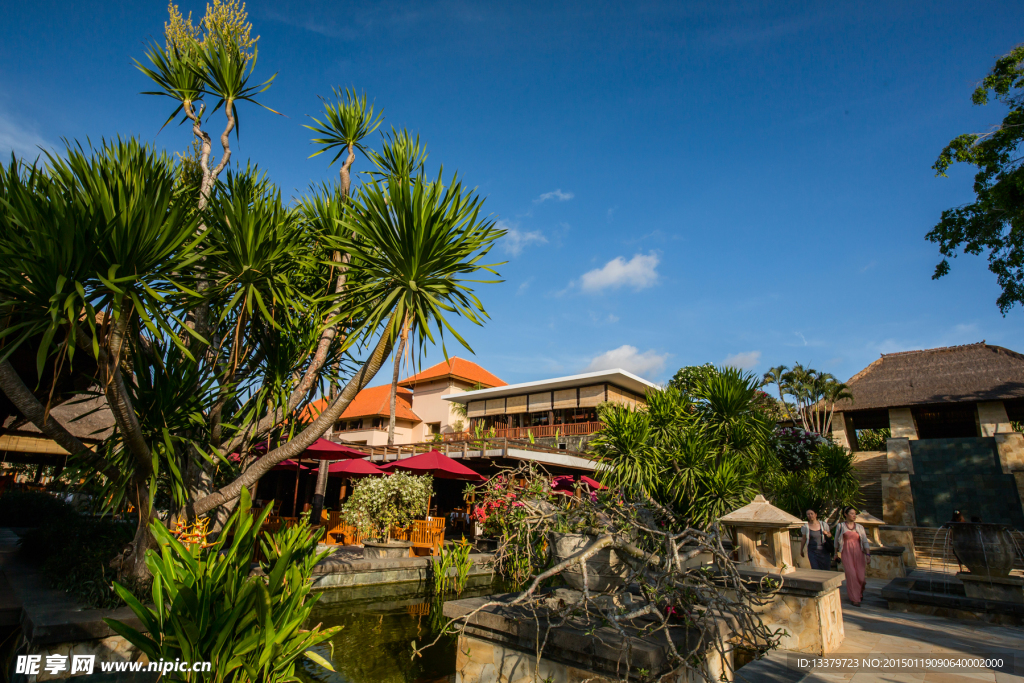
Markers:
<point>434,463</point>
<point>288,465</point>
<point>322,449</point>
<point>351,468</point>
<point>437,464</point>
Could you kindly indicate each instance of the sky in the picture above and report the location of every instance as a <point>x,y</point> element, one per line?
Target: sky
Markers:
<point>746,183</point>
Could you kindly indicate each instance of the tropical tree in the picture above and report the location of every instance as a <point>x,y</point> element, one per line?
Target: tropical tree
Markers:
<point>214,311</point>
<point>814,394</point>
<point>994,222</point>
<point>700,451</point>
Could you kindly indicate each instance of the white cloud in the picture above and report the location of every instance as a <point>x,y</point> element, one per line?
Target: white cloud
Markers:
<point>525,285</point>
<point>746,360</point>
<point>516,240</point>
<point>629,358</point>
<point>612,318</point>
<point>556,194</point>
<point>639,272</point>
<point>18,139</point>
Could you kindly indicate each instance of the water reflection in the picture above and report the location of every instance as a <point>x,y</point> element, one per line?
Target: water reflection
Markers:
<point>379,625</point>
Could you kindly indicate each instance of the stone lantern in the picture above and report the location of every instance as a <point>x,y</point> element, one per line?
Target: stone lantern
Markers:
<point>762,535</point>
<point>871,524</point>
<point>887,562</point>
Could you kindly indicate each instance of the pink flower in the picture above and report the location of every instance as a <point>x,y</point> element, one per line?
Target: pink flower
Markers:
<point>517,504</point>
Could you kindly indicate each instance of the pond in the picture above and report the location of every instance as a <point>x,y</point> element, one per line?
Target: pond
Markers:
<point>379,624</point>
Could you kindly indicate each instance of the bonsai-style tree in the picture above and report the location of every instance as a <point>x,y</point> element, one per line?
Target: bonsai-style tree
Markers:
<point>378,504</point>
<point>211,311</point>
<point>626,543</point>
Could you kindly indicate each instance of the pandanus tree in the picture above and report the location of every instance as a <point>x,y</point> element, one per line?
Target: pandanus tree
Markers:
<point>214,311</point>
<point>701,451</point>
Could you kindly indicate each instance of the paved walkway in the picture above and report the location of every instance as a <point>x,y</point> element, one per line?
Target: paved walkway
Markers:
<point>873,629</point>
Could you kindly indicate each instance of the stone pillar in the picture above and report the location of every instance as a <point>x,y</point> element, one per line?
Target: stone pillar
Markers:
<point>992,418</point>
<point>897,498</point>
<point>1010,448</point>
<point>843,432</point>
<point>901,424</point>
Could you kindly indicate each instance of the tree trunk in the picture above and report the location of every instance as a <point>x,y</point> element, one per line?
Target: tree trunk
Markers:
<point>302,440</point>
<point>318,495</point>
<point>394,380</point>
<point>134,566</point>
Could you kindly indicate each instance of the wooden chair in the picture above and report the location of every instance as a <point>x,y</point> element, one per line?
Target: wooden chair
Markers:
<point>428,535</point>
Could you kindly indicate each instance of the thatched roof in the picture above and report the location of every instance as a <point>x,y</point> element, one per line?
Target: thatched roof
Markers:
<point>761,513</point>
<point>87,417</point>
<point>952,374</point>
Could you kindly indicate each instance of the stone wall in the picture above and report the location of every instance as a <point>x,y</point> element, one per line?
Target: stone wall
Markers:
<point>813,624</point>
<point>964,474</point>
<point>482,661</point>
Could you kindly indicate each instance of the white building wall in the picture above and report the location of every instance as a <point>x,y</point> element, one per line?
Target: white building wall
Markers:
<point>429,406</point>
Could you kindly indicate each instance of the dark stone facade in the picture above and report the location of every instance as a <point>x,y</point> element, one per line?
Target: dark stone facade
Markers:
<point>962,474</point>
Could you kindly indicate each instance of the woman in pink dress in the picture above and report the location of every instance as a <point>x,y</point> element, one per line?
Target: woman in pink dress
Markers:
<point>852,550</point>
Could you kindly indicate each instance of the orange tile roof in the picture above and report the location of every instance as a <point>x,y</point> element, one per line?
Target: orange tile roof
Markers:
<point>458,368</point>
<point>370,402</point>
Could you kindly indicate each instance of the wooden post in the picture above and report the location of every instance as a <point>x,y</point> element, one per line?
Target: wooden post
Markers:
<point>295,497</point>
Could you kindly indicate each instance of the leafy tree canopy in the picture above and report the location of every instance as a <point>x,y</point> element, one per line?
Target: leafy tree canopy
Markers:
<point>994,222</point>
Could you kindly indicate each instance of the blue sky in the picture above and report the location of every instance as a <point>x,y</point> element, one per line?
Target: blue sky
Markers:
<point>683,182</point>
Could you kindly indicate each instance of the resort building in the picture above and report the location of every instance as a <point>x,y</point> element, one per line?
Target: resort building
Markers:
<point>953,415</point>
<point>420,412</point>
<point>431,386</point>
<point>550,408</point>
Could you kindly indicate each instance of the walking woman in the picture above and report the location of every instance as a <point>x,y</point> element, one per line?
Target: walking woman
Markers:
<point>853,551</point>
<point>814,535</point>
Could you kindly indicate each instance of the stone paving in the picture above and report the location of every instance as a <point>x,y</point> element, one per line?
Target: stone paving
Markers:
<point>873,629</point>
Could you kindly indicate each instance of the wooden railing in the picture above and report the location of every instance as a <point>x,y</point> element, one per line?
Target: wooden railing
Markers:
<point>539,431</point>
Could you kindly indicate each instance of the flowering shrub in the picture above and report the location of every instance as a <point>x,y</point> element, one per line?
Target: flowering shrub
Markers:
<point>379,503</point>
<point>795,447</point>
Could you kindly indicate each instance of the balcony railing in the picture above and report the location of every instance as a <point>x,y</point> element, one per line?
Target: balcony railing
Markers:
<point>539,431</point>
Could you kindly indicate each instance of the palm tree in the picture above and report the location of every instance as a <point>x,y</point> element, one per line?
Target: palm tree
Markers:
<point>215,323</point>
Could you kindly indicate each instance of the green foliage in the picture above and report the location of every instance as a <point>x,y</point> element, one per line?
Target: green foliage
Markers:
<point>379,503</point>
<point>827,483</point>
<point>450,571</point>
<point>503,504</point>
<point>815,395</point>
<point>215,59</point>
<point>686,378</point>
<point>698,450</point>
<point>346,122</point>
<point>413,247</point>
<point>994,222</point>
<point>208,607</point>
<point>873,439</point>
<point>74,552</point>
<point>96,231</point>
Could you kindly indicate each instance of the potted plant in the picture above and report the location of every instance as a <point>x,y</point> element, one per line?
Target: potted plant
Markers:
<point>573,530</point>
<point>380,504</point>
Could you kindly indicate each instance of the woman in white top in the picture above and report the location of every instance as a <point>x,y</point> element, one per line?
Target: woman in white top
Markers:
<point>853,550</point>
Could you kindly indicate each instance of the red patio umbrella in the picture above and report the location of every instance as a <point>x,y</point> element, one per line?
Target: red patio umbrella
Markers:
<point>436,463</point>
<point>322,449</point>
<point>350,468</point>
<point>288,465</point>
